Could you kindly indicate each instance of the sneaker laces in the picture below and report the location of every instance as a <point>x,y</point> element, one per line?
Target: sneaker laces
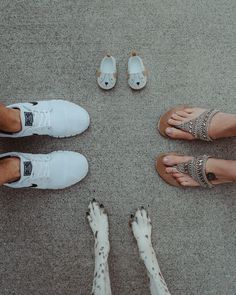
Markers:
<point>42,118</point>
<point>40,168</point>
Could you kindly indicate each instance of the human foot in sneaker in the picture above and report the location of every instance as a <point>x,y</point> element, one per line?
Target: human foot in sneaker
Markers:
<point>57,118</point>
<point>56,170</point>
<point>179,170</point>
<point>191,123</point>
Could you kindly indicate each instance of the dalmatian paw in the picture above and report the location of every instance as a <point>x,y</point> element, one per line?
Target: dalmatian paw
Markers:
<point>98,221</point>
<point>142,228</point>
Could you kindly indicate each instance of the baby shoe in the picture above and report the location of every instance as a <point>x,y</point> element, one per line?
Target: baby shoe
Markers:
<point>137,73</point>
<point>107,73</point>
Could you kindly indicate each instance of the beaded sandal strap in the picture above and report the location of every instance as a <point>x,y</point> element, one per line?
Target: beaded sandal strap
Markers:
<point>196,168</point>
<point>199,126</point>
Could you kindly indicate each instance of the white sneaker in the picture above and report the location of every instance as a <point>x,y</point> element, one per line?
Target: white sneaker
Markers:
<point>56,170</point>
<point>107,73</point>
<point>57,118</point>
<point>137,73</point>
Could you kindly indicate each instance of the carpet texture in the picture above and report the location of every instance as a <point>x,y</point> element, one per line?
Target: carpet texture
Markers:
<point>51,49</point>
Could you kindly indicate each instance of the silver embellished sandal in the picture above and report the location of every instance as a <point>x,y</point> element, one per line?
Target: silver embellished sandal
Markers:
<point>196,168</point>
<point>198,127</point>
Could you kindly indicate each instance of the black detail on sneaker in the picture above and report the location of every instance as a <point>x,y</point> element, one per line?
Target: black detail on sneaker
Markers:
<point>27,168</point>
<point>29,118</point>
<point>34,103</point>
<point>34,185</point>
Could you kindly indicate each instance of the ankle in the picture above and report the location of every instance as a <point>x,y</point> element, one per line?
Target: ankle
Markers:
<point>11,121</point>
<point>9,169</point>
<point>223,169</point>
<point>224,125</point>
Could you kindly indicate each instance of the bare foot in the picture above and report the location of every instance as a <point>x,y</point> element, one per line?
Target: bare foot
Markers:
<point>216,128</point>
<point>224,170</point>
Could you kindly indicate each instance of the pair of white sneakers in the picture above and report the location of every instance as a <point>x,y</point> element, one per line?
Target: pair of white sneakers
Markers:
<point>57,170</point>
<point>107,73</point>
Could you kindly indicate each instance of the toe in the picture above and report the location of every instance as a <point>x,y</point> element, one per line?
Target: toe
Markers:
<point>178,134</point>
<point>171,160</point>
<point>175,116</point>
<point>184,183</point>
<point>180,178</point>
<point>191,183</point>
<point>178,175</point>
<point>188,110</point>
<point>174,122</point>
<point>171,170</point>
<point>187,180</point>
<point>182,114</point>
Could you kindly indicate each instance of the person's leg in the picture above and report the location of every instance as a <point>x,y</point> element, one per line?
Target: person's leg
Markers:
<point>9,169</point>
<point>10,120</point>
<point>222,124</point>
<point>224,170</point>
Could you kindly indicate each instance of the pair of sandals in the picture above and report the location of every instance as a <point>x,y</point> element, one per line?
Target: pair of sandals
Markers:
<point>195,168</point>
<point>107,73</point>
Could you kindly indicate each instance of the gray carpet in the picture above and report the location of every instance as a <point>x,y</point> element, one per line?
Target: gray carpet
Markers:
<point>51,49</point>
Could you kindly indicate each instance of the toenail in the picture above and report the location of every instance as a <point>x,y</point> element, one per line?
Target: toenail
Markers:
<point>169,130</point>
<point>166,160</point>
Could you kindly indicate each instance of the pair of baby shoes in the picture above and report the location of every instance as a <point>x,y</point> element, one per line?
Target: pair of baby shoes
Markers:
<point>107,73</point>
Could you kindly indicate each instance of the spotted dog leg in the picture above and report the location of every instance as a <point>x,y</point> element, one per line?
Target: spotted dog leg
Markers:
<point>142,229</point>
<point>98,222</point>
